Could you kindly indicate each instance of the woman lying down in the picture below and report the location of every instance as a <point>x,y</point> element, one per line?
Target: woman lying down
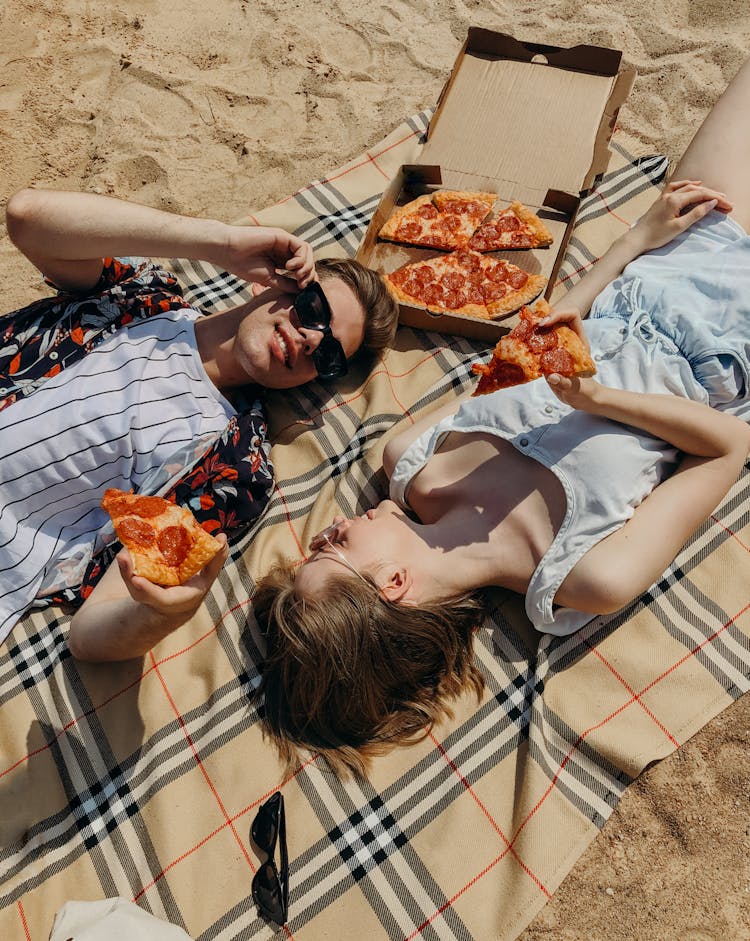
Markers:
<point>576,493</point>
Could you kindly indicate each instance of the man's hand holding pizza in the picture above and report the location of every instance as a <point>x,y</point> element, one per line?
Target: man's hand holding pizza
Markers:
<point>174,601</point>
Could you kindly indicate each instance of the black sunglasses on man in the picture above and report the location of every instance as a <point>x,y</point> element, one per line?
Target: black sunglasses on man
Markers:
<point>314,313</point>
<point>271,885</point>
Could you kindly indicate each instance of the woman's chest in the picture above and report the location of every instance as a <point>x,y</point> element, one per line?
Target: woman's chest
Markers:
<point>501,488</point>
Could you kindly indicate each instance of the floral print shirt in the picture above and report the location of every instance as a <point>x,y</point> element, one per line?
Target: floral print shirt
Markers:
<point>228,486</point>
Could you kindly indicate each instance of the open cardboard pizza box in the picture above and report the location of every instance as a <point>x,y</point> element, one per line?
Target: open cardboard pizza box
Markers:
<point>526,121</point>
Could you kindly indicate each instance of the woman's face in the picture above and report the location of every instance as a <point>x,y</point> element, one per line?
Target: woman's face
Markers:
<point>363,544</point>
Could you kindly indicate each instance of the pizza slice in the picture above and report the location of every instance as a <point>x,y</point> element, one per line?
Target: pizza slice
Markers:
<point>529,352</point>
<point>465,283</point>
<point>507,287</point>
<point>514,227</point>
<point>165,541</point>
<point>445,219</point>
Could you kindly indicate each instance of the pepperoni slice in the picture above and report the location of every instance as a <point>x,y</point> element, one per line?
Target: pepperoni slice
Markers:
<point>516,279</point>
<point>433,294</point>
<point>455,206</point>
<point>399,276</point>
<point>474,294</point>
<point>440,236</point>
<point>521,240</point>
<point>424,274</point>
<point>540,340</point>
<point>507,374</point>
<point>468,260</point>
<point>454,280</point>
<point>453,223</point>
<point>497,271</point>
<point>522,330</point>
<point>507,223</point>
<point>428,211</point>
<point>411,286</point>
<point>558,360</point>
<point>408,231</point>
<point>174,544</point>
<point>135,532</point>
<point>146,507</point>
<point>454,299</point>
<point>493,292</point>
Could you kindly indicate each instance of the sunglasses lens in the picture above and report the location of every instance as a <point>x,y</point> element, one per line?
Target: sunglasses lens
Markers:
<point>268,894</point>
<point>312,308</point>
<point>330,359</point>
<point>265,828</point>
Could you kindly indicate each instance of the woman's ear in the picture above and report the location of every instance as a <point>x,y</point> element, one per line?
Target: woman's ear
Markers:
<point>397,583</point>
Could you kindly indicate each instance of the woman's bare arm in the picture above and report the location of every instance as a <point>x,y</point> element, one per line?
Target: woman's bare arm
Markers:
<point>669,215</point>
<point>716,445</point>
<point>66,235</point>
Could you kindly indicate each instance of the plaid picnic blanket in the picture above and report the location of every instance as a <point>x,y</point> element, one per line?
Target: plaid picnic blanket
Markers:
<point>141,779</point>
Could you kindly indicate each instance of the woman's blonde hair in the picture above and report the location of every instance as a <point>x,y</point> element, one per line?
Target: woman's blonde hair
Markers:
<point>350,674</point>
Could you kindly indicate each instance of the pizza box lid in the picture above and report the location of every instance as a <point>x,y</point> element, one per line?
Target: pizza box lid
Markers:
<point>521,117</point>
<point>561,104</point>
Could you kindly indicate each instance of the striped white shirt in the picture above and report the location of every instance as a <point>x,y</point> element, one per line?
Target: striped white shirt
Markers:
<point>110,420</point>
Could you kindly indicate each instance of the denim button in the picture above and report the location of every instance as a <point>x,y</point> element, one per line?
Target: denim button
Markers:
<point>548,409</point>
<point>524,442</point>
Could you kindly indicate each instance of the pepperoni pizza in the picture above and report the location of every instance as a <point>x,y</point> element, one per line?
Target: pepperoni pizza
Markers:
<point>529,352</point>
<point>445,219</point>
<point>165,541</point>
<point>466,283</point>
<point>514,227</point>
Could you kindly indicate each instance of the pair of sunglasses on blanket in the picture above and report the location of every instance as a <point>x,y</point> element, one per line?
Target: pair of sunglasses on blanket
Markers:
<point>271,885</point>
<point>314,313</point>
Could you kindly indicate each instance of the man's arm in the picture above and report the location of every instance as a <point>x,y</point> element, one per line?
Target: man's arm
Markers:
<point>66,235</point>
<point>126,615</point>
<point>669,215</point>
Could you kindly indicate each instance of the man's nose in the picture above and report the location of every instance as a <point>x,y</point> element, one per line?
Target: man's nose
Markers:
<point>311,339</point>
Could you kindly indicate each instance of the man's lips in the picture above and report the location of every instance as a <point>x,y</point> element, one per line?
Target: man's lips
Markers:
<point>284,348</point>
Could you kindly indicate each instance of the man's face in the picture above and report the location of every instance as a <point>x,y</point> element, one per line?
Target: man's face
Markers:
<point>275,350</point>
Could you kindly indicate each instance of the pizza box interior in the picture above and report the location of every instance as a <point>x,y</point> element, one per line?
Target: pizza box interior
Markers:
<point>529,122</point>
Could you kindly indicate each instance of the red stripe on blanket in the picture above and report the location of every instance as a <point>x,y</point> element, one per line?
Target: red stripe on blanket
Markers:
<point>622,708</point>
<point>22,916</point>
<point>329,179</point>
<point>508,843</point>
<point>623,681</point>
<point>198,761</point>
<point>731,532</point>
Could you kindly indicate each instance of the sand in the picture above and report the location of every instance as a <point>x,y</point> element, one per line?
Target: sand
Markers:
<point>217,108</point>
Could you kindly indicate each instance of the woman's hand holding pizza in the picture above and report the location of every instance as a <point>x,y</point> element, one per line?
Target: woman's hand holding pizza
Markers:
<point>177,601</point>
<point>570,316</point>
<point>680,205</point>
<point>577,393</point>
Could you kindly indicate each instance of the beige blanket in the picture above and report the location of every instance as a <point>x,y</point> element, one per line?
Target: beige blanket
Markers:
<point>141,779</point>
